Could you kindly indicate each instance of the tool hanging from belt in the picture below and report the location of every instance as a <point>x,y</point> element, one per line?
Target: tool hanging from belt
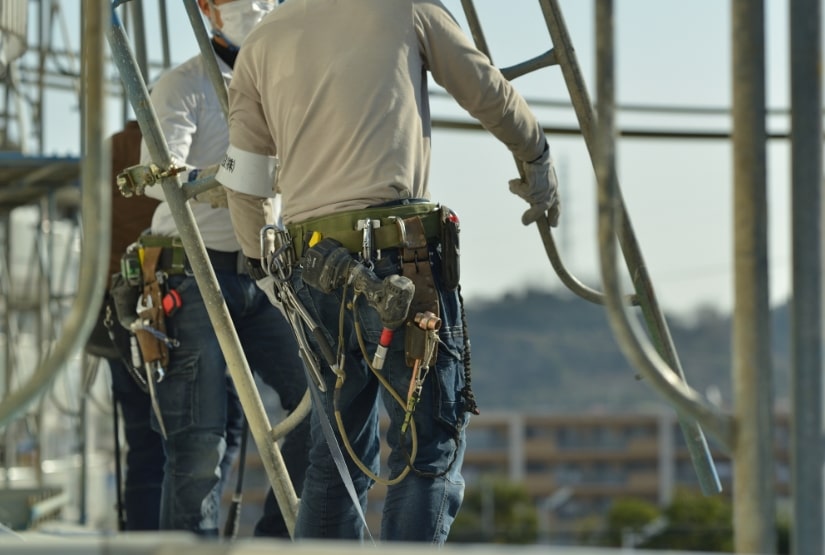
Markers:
<point>330,246</point>
<point>150,327</point>
<point>415,265</point>
<point>277,261</point>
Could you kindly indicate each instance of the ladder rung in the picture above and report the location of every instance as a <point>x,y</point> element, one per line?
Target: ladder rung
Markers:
<point>543,60</point>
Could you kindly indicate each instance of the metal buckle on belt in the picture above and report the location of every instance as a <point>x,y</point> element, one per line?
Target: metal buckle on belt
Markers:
<point>277,253</point>
<point>366,226</point>
<point>349,228</point>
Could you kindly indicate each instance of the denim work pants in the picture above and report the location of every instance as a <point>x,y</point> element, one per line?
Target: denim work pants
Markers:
<point>423,505</point>
<point>193,396</point>
<point>144,455</point>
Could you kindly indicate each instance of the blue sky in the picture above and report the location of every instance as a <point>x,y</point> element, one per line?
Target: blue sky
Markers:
<point>678,193</point>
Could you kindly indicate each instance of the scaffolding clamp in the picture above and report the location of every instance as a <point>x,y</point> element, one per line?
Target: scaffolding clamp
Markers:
<point>134,179</point>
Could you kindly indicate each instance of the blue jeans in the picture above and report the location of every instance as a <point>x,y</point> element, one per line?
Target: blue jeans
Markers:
<point>144,455</point>
<point>234,431</point>
<point>421,507</point>
<point>193,396</point>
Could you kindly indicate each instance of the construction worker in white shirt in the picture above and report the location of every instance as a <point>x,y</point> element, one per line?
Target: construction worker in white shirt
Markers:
<point>193,394</point>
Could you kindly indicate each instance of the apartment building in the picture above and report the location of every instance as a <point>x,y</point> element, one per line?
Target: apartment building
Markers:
<point>573,465</point>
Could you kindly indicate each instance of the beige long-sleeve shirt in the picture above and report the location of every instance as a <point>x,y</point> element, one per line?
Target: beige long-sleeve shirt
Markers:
<point>338,91</point>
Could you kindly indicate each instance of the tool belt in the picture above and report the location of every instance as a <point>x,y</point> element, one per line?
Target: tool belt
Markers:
<point>150,312</point>
<point>173,259</point>
<point>411,228</point>
<point>386,233</point>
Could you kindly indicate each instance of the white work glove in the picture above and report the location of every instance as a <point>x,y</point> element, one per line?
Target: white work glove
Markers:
<point>214,196</point>
<point>267,285</point>
<point>539,189</point>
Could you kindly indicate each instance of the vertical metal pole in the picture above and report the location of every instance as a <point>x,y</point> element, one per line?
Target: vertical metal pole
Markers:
<point>83,447</point>
<point>8,379</point>
<point>6,117</point>
<point>213,71</point>
<point>139,33</point>
<point>667,458</point>
<point>41,76</point>
<point>164,34</point>
<point>124,107</point>
<point>806,309</point>
<point>753,478</point>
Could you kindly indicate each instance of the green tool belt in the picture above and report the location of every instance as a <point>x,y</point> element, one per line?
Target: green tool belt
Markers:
<point>344,228</point>
<point>173,259</point>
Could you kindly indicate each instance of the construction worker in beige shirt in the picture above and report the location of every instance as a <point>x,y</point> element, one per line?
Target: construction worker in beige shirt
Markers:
<point>338,92</point>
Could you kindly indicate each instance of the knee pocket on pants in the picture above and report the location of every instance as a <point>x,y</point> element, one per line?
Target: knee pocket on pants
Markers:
<point>177,400</point>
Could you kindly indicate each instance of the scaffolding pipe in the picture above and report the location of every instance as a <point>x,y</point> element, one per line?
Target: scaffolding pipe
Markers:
<point>752,453</point>
<point>96,210</point>
<point>213,71</point>
<point>547,59</point>
<point>139,30</point>
<point>663,368</point>
<point>164,35</point>
<point>806,308</point>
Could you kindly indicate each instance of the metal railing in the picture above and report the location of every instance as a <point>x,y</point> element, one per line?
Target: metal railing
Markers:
<point>748,433</point>
<point>670,383</point>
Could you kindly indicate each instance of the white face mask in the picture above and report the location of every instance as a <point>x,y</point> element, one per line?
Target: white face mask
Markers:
<point>240,16</point>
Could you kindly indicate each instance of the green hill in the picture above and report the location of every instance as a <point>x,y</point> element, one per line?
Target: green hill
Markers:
<point>545,352</point>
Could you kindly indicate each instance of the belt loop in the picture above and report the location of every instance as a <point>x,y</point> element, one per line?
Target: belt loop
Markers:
<point>178,265</point>
<point>241,264</point>
<point>402,230</point>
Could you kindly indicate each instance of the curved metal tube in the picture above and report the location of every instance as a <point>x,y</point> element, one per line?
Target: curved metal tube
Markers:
<point>205,277</point>
<point>293,419</point>
<point>96,210</point>
<point>564,55</point>
<point>654,318</point>
<point>566,277</point>
<point>632,340</point>
<point>544,60</point>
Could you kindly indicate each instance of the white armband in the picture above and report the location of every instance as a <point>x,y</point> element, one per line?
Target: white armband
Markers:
<point>247,172</point>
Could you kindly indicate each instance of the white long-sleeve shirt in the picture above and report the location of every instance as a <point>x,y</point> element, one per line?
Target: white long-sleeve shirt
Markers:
<point>192,121</point>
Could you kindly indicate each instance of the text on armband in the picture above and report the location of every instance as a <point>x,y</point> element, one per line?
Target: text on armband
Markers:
<point>228,163</point>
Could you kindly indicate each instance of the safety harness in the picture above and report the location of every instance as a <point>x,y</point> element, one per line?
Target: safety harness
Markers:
<point>410,228</point>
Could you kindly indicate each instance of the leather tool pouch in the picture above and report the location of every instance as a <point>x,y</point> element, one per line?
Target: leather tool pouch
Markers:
<point>100,344</point>
<point>415,265</point>
<point>152,348</point>
<point>124,299</point>
<point>450,252</point>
